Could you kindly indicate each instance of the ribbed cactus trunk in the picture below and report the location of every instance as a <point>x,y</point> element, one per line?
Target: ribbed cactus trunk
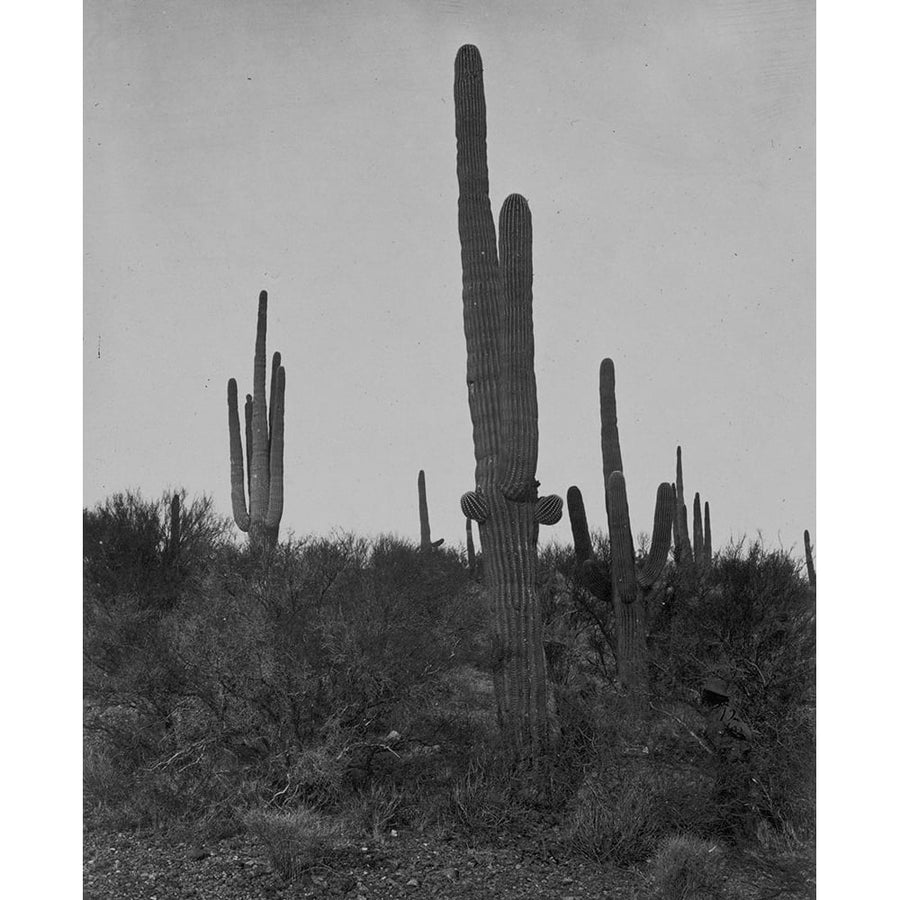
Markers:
<point>630,583</point>
<point>497,319</point>
<point>810,565</point>
<point>265,445</point>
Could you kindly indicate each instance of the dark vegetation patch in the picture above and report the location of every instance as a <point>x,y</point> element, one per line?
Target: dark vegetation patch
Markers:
<point>281,713</point>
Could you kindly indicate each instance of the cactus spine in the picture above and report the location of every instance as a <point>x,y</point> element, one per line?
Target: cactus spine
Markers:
<point>497,319</point>
<point>265,445</point>
<point>630,583</point>
<point>425,542</point>
<point>810,565</point>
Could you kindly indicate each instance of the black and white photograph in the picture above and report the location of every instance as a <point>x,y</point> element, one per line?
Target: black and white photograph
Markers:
<point>449,472</point>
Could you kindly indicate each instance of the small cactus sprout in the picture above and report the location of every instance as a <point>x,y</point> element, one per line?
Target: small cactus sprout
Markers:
<point>632,583</point>
<point>425,541</point>
<point>497,321</point>
<point>265,445</point>
<point>810,565</point>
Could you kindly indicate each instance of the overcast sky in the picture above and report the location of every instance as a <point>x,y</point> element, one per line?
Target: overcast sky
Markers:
<point>307,148</point>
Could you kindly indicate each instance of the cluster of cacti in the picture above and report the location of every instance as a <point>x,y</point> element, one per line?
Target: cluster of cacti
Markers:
<point>630,581</point>
<point>701,551</point>
<point>425,542</point>
<point>497,318</point>
<point>265,445</point>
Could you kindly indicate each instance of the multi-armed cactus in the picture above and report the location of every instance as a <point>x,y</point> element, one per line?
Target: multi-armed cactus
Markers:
<point>810,565</point>
<point>497,318</point>
<point>631,583</point>
<point>265,445</point>
<point>425,542</point>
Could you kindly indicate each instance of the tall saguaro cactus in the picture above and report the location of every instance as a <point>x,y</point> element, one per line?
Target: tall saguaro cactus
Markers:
<point>631,583</point>
<point>265,445</point>
<point>497,319</point>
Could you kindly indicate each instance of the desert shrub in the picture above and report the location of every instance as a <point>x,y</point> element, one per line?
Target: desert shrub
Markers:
<point>750,620</point>
<point>128,552</point>
<point>274,677</point>
<point>688,868</point>
<point>295,840</point>
<point>628,779</point>
<point>579,627</point>
<point>376,809</point>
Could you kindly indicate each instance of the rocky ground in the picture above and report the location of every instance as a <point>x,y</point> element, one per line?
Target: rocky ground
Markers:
<point>120,865</point>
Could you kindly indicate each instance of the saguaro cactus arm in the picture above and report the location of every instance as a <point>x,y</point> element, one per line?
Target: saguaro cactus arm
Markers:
<point>276,451</point>
<point>620,541</point>
<point>609,423</point>
<point>588,572</point>
<point>683,550</point>
<point>651,570</point>
<point>519,448</point>
<point>581,535</point>
<point>238,497</point>
<point>482,287</point>
<point>698,530</point>
<point>259,463</point>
